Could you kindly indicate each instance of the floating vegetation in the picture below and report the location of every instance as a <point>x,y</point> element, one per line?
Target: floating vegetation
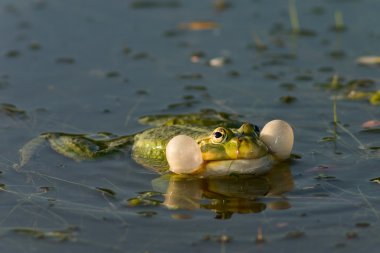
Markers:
<point>65,60</point>
<point>146,4</point>
<point>318,10</point>
<point>221,5</point>
<point>371,124</point>
<point>34,46</point>
<point>294,156</point>
<point>45,189</point>
<point>233,73</point>
<point>185,104</point>
<point>206,117</point>
<point>288,99</point>
<point>257,44</point>
<point>144,199</point>
<point>294,234</point>
<point>127,50</point>
<point>304,78</point>
<point>354,89</point>
<point>112,74</point>
<point>260,237</point>
<point>339,22</point>
<point>369,60</point>
<point>4,81</point>
<point>335,83</point>
<point>197,56</point>
<point>329,139</point>
<point>140,56</point>
<point>173,33</point>
<point>288,86</point>
<point>220,61</point>
<point>191,76</point>
<point>362,225</point>
<point>337,54</point>
<point>181,216</point>
<point>196,87</point>
<point>294,22</point>
<point>271,76</point>
<point>198,25</point>
<point>60,235</point>
<point>323,176</point>
<point>372,96</point>
<point>375,180</point>
<point>147,214</point>
<point>326,69</point>
<point>218,238</point>
<point>352,235</point>
<point>12,111</point>
<point>142,92</point>
<point>107,192</point>
<point>375,98</point>
<point>12,53</point>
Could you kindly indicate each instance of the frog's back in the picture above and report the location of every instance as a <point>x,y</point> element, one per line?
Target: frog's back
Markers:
<point>149,146</point>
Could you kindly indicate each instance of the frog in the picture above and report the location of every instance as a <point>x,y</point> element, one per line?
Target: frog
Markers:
<point>226,145</point>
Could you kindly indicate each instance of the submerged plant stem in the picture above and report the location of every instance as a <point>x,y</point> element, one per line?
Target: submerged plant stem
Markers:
<point>294,16</point>
<point>339,22</point>
<point>337,124</point>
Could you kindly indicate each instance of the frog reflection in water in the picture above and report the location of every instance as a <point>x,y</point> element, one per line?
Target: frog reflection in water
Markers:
<point>225,145</point>
<point>227,195</point>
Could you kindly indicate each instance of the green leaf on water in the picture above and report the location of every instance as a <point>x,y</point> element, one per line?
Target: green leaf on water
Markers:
<point>144,199</point>
<point>375,180</point>
<point>61,235</point>
<point>12,111</point>
<point>375,98</point>
<point>106,191</point>
<point>323,176</point>
<point>294,156</point>
<point>196,87</point>
<point>144,4</point>
<point>288,99</point>
<point>328,139</point>
<point>294,234</point>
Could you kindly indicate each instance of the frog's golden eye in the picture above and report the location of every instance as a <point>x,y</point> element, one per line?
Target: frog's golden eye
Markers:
<point>219,135</point>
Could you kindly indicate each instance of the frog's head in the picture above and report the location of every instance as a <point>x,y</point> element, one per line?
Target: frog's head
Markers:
<point>226,144</point>
<point>226,151</point>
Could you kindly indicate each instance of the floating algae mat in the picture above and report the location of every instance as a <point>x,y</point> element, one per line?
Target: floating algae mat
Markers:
<point>98,68</point>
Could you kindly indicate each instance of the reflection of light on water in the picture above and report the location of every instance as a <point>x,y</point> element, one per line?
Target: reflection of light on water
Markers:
<point>229,194</point>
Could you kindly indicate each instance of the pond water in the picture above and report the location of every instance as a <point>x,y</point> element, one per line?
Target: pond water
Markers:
<point>91,66</point>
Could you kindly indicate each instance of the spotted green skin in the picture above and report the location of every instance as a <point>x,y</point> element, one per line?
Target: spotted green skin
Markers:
<point>149,146</point>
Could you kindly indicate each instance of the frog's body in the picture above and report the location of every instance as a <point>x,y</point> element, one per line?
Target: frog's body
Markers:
<point>217,141</point>
<point>149,146</point>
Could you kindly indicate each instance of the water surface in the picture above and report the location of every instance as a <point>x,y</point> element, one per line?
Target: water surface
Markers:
<point>90,66</point>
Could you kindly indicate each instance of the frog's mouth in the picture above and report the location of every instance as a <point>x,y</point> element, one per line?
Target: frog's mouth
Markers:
<point>237,166</point>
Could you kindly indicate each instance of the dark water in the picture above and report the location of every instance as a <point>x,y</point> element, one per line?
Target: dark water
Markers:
<point>89,66</point>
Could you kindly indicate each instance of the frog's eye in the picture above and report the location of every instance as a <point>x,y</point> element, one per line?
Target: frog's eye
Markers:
<point>219,135</point>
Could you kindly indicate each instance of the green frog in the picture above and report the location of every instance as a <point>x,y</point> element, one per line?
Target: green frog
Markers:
<point>225,144</point>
